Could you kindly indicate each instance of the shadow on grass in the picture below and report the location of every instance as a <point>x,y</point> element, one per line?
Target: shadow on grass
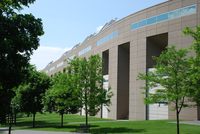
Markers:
<point>44,124</point>
<point>28,124</point>
<point>94,129</point>
<point>106,130</point>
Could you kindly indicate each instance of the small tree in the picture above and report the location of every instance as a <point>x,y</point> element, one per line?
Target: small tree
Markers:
<point>31,92</point>
<point>195,64</point>
<point>88,79</point>
<point>171,72</point>
<point>62,97</point>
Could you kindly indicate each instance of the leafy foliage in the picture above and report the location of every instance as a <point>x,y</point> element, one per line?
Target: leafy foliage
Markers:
<point>195,64</point>
<point>80,86</point>
<point>62,97</point>
<point>88,79</point>
<point>19,36</point>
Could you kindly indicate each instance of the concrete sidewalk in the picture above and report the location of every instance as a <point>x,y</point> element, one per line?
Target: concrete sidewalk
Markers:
<point>190,122</point>
<point>5,131</point>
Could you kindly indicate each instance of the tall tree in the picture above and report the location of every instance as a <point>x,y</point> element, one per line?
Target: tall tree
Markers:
<point>62,97</point>
<point>171,73</point>
<point>19,36</point>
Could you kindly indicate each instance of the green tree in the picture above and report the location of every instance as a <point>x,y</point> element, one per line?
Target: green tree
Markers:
<point>171,73</point>
<point>88,78</point>
<point>31,92</point>
<point>195,64</point>
<point>19,36</point>
<point>62,97</point>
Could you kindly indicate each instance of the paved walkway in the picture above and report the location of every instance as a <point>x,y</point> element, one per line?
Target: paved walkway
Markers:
<point>189,122</point>
<point>5,131</point>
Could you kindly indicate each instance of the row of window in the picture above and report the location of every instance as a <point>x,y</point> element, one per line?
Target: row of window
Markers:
<point>52,68</point>
<point>153,20</point>
<point>85,50</point>
<point>99,42</point>
<point>60,64</point>
<point>107,38</point>
<point>165,16</point>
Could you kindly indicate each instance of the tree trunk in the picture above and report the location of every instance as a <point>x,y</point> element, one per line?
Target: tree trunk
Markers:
<point>34,120</point>
<point>15,118</point>
<point>198,113</point>
<point>3,118</point>
<point>177,120</point>
<point>86,115</point>
<point>86,110</point>
<point>10,123</point>
<point>101,111</point>
<point>61,120</point>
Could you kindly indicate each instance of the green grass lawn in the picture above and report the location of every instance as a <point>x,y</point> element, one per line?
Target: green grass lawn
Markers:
<point>51,122</point>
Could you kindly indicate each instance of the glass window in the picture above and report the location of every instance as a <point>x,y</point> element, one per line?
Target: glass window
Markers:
<point>52,68</point>
<point>85,50</point>
<point>115,34</point>
<point>174,14</point>
<point>188,10</point>
<point>60,64</point>
<point>151,20</point>
<point>162,17</point>
<point>166,16</point>
<point>142,23</point>
<point>134,26</point>
<point>107,38</point>
<point>98,43</point>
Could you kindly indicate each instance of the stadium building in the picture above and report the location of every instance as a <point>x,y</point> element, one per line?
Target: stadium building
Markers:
<point>127,46</point>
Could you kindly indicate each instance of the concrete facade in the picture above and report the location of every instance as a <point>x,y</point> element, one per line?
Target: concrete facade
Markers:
<point>126,42</point>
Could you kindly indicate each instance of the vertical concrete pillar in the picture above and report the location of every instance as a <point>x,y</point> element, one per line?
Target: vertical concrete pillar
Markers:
<point>113,54</point>
<point>137,108</point>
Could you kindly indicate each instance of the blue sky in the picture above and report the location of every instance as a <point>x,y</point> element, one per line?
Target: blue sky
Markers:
<point>68,22</point>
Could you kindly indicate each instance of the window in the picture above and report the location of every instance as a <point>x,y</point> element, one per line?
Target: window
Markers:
<point>134,26</point>
<point>52,68</point>
<point>142,23</point>
<point>107,38</point>
<point>60,64</point>
<point>165,16</point>
<point>85,50</point>
<point>162,17</point>
<point>151,20</point>
<point>174,14</point>
<point>188,10</point>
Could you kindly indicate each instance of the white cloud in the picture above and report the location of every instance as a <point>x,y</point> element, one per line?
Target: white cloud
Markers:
<point>45,54</point>
<point>98,28</point>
